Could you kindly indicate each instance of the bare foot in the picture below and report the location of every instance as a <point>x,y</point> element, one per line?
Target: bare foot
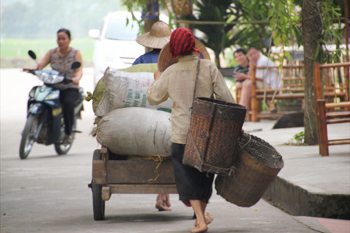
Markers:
<point>162,207</point>
<point>163,202</point>
<point>208,219</point>
<point>200,228</point>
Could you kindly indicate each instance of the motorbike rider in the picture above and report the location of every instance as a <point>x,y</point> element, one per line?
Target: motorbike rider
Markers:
<point>61,59</point>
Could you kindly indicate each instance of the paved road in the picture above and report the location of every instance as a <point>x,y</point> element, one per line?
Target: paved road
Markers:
<point>49,193</point>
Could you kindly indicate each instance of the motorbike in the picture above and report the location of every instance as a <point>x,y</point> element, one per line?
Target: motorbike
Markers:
<point>45,124</point>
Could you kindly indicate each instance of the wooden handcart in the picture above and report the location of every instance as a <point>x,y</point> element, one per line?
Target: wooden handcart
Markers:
<point>113,173</point>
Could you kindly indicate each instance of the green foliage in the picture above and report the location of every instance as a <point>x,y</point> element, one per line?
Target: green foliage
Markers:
<point>260,24</point>
<point>284,18</point>
<point>252,29</point>
<point>216,11</point>
<point>264,106</point>
<point>331,32</point>
<point>141,5</point>
<point>284,21</point>
<point>138,5</point>
<point>298,139</point>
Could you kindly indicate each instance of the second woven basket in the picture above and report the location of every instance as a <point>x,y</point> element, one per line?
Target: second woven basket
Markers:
<point>257,166</point>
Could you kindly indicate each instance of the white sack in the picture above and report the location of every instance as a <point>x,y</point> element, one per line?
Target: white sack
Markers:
<point>126,89</point>
<point>135,131</point>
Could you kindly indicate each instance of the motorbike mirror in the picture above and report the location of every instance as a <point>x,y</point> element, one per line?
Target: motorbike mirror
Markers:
<point>75,65</point>
<point>32,54</point>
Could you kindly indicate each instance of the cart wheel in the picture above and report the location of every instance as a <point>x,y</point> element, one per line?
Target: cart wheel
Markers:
<point>97,202</point>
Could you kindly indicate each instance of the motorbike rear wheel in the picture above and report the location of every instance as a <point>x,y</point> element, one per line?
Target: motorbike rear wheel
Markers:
<point>28,136</point>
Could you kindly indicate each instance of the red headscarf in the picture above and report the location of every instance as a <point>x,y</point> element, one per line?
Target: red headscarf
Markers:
<point>182,42</point>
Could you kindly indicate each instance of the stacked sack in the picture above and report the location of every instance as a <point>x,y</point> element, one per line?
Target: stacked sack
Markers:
<point>127,124</point>
<point>135,131</point>
<point>125,88</point>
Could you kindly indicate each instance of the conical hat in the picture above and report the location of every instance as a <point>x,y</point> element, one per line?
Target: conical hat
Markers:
<point>165,58</point>
<point>157,37</point>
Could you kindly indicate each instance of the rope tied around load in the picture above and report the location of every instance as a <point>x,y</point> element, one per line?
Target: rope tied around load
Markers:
<point>158,161</point>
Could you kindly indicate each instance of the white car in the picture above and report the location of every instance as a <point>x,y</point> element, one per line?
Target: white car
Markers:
<point>115,44</point>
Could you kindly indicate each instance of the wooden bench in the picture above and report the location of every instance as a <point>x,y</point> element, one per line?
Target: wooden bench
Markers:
<point>332,101</point>
<point>292,88</point>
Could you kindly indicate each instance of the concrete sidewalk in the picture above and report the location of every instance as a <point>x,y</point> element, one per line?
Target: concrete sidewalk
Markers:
<point>309,184</point>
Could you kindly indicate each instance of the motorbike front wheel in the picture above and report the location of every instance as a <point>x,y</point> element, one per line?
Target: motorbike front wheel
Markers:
<point>61,147</point>
<point>28,136</point>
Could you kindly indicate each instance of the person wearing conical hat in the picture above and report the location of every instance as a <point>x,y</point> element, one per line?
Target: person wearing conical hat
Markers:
<point>155,40</point>
<point>182,81</point>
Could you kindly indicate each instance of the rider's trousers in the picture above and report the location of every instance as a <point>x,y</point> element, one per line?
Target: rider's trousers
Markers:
<point>69,99</point>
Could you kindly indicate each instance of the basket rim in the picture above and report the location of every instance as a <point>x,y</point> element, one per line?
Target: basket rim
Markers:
<point>220,102</point>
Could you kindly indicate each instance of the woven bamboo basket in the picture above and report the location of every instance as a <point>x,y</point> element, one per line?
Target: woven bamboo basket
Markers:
<point>215,129</point>
<point>257,166</point>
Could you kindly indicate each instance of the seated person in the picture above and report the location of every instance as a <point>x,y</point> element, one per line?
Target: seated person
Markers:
<point>265,78</point>
<point>241,75</point>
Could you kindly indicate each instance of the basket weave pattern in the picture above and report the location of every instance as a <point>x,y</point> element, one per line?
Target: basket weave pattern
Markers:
<point>257,166</point>
<point>215,128</point>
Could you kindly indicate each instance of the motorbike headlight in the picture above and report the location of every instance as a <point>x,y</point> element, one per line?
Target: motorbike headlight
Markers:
<point>49,76</point>
<point>43,76</point>
<point>53,95</point>
<point>50,79</point>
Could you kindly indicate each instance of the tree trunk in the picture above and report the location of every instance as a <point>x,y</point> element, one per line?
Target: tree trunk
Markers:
<point>217,60</point>
<point>311,32</point>
<point>151,15</point>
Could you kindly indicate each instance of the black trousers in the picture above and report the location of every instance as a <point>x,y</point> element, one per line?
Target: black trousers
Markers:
<point>69,99</point>
<point>191,184</point>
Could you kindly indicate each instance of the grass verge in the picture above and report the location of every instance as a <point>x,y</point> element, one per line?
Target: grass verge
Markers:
<point>13,52</point>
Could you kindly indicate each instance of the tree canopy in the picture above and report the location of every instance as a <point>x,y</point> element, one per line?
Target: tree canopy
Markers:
<point>253,23</point>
